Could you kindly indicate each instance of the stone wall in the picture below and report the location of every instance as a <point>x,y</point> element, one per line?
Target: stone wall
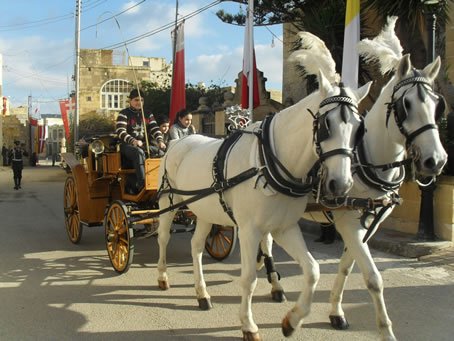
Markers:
<point>97,67</point>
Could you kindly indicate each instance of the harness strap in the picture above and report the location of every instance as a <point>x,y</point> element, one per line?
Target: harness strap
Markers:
<point>218,170</point>
<point>370,178</point>
<point>199,194</point>
<point>411,137</point>
<point>374,225</point>
<point>292,187</point>
<point>353,203</point>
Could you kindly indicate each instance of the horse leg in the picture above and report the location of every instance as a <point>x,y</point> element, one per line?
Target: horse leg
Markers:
<point>165,223</point>
<point>337,315</point>
<point>265,258</point>
<point>249,242</point>
<point>197,247</point>
<point>292,241</point>
<point>374,282</point>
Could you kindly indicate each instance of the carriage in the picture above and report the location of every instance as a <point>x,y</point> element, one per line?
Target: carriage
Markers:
<point>96,194</point>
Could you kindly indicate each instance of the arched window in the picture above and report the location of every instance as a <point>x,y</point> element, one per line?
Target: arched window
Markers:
<point>114,94</point>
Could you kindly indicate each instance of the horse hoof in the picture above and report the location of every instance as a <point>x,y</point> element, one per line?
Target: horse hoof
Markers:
<point>278,296</point>
<point>338,322</point>
<point>287,329</point>
<point>250,336</point>
<point>163,285</point>
<point>204,303</point>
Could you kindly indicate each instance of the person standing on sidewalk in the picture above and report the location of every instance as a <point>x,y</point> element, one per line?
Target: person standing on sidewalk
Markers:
<point>17,163</point>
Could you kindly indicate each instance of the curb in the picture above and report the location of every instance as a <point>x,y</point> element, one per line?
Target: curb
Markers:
<point>394,242</point>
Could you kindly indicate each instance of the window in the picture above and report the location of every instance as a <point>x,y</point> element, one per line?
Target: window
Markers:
<point>88,98</point>
<point>146,63</point>
<point>114,94</point>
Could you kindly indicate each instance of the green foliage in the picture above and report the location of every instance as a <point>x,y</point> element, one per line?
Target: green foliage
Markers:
<point>157,98</point>
<point>95,124</point>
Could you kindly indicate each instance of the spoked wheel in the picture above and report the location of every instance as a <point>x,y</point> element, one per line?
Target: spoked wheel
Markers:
<point>221,241</point>
<point>119,237</point>
<point>71,209</point>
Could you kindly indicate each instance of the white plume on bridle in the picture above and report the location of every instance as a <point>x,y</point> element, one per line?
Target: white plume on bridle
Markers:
<point>315,56</point>
<point>385,49</point>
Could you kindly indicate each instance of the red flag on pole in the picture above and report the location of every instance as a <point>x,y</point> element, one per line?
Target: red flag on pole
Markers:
<point>42,135</point>
<point>178,98</point>
<point>66,108</point>
<point>248,42</point>
<point>33,121</point>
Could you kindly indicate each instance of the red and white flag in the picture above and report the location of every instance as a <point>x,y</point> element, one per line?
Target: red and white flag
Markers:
<point>67,107</point>
<point>42,136</point>
<point>247,72</point>
<point>178,97</point>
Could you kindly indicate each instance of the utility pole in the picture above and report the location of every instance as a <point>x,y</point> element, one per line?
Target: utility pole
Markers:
<point>250,14</point>
<point>77,74</point>
<point>31,130</point>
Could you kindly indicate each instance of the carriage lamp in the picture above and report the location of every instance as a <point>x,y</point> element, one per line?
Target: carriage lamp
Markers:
<point>97,147</point>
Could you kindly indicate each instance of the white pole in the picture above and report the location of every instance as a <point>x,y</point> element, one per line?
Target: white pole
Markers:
<point>77,75</point>
<point>251,57</point>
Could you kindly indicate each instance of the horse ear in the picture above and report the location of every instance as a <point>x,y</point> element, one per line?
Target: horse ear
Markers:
<point>363,91</point>
<point>404,66</point>
<point>324,85</point>
<point>431,70</point>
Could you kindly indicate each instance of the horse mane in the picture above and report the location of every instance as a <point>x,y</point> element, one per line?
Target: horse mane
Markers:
<point>385,49</point>
<point>314,56</point>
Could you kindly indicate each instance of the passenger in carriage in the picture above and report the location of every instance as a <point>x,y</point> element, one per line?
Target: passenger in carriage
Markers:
<point>182,126</point>
<point>131,133</point>
<point>163,123</point>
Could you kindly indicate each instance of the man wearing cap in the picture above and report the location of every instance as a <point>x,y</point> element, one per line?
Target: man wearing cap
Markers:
<point>17,163</point>
<point>131,132</point>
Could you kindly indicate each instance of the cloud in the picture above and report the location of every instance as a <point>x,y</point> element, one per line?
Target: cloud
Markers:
<point>223,68</point>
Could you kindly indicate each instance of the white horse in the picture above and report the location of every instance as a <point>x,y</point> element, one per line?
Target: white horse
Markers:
<point>257,204</point>
<point>399,127</point>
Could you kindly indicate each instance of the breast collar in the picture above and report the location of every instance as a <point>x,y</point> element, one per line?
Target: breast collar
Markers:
<point>273,170</point>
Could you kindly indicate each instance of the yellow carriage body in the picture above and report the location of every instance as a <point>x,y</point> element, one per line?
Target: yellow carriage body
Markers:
<point>100,179</point>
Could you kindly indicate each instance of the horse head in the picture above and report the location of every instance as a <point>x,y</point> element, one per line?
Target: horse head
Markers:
<point>337,130</point>
<point>416,108</point>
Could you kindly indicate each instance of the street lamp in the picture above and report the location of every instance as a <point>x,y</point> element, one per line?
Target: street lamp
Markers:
<point>426,211</point>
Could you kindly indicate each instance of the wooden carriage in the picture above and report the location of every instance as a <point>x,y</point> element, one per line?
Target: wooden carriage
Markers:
<point>95,194</point>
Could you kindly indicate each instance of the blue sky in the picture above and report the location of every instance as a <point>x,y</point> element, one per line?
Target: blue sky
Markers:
<point>37,43</point>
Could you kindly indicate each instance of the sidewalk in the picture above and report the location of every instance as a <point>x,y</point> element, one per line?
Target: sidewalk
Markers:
<point>401,244</point>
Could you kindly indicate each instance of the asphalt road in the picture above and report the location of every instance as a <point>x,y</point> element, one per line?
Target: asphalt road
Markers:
<point>51,289</point>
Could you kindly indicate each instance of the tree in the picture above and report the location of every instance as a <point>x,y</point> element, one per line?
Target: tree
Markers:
<point>157,98</point>
<point>325,18</point>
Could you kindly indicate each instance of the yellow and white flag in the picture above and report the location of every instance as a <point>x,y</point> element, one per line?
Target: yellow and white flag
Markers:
<point>350,58</point>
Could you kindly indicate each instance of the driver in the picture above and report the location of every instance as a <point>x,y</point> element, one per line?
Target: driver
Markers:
<point>131,132</point>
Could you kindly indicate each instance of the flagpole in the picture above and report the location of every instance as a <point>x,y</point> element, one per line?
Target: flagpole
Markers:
<point>250,18</point>
<point>29,110</point>
<point>174,57</point>
<point>77,75</point>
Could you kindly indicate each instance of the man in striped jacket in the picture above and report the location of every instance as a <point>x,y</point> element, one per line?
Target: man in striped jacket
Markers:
<point>131,132</point>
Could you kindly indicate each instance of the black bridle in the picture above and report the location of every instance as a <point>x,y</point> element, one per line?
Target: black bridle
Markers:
<point>399,106</point>
<point>274,170</point>
<point>321,129</point>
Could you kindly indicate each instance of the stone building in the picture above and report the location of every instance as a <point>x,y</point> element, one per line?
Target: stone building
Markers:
<point>106,79</point>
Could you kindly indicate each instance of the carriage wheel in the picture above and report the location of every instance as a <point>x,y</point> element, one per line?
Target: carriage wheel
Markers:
<point>118,237</point>
<point>71,209</point>
<point>221,241</point>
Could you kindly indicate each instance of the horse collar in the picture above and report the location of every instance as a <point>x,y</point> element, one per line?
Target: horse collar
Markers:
<point>273,168</point>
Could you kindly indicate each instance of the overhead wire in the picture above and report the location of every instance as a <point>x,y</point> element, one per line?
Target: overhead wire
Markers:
<point>162,28</point>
